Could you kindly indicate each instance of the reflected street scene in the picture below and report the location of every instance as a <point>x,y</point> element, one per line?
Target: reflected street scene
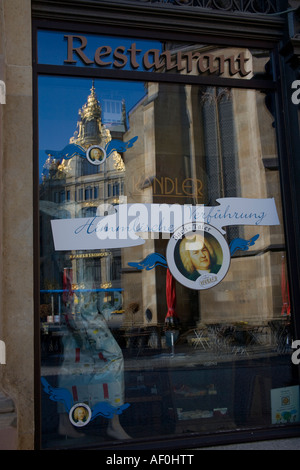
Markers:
<point>163,336</point>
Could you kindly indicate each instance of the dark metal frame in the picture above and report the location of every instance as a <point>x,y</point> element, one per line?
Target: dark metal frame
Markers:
<point>162,20</point>
<point>266,7</point>
<point>160,17</point>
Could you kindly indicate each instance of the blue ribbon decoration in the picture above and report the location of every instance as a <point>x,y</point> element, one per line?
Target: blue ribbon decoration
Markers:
<point>155,259</point>
<point>73,149</point>
<point>67,152</point>
<point>119,146</point>
<point>61,395</point>
<point>241,244</point>
<point>64,396</point>
<point>150,262</point>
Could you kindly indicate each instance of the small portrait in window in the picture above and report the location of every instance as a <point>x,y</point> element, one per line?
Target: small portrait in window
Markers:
<point>198,258</point>
<point>80,414</point>
<point>96,155</point>
<point>197,254</point>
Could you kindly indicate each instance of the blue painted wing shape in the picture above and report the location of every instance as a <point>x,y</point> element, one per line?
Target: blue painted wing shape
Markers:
<point>107,411</point>
<point>61,395</point>
<point>67,152</point>
<point>241,244</point>
<point>150,262</point>
<point>119,146</point>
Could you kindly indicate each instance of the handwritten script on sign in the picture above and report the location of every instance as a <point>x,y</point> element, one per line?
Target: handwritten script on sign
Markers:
<point>130,224</point>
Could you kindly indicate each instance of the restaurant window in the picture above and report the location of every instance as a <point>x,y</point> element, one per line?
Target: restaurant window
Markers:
<point>164,289</point>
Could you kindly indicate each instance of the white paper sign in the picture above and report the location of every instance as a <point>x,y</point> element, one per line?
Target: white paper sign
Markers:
<point>285,404</point>
<point>126,223</point>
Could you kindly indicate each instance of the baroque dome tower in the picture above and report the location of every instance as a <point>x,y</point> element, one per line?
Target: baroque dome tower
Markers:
<point>90,130</point>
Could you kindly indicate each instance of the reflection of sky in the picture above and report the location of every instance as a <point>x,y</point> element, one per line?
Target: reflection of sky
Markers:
<point>60,99</point>
<point>58,53</point>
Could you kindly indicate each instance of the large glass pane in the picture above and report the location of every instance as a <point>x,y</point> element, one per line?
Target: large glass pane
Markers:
<point>164,303</point>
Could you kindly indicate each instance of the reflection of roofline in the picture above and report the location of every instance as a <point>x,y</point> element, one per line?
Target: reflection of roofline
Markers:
<point>137,104</point>
<point>209,47</point>
<point>190,47</point>
<point>115,126</point>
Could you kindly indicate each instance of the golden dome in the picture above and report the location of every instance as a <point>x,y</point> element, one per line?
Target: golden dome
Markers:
<point>91,110</point>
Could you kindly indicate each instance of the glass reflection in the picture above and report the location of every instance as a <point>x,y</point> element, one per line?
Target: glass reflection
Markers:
<point>142,354</point>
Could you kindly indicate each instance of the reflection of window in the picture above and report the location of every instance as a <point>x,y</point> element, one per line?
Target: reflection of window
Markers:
<point>63,214</point>
<point>80,194</point>
<point>96,192</point>
<point>112,110</point>
<point>88,270</point>
<point>62,196</point>
<point>86,168</point>
<point>116,189</point>
<point>108,268</point>
<point>116,268</point>
<point>59,197</point>
<point>220,147</point>
<point>90,128</point>
<point>88,212</point>
<point>88,193</point>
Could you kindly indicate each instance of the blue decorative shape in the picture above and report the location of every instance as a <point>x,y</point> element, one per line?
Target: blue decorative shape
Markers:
<point>61,395</point>
<point>119,146</point>
<point>241,244</point>
<point>67,152</point>
<point>64,396</point>
<point>155,259</point>
<point>150,262</point>
<point>107,411</point>
<point>73,149</point>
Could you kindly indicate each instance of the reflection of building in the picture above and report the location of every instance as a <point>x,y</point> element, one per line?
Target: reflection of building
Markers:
<point>269,23</point>
<point>75,188</point>
<point>202,143</point>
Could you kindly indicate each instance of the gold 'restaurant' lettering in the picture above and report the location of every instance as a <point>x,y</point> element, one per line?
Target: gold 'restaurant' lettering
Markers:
<point>154,59</point>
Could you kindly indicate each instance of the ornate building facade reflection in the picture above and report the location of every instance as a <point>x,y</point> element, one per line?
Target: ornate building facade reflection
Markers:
<point>76,188</point>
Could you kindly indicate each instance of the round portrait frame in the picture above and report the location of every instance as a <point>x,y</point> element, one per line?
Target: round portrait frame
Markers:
<point>89,158</point>
<point>72,411</point>
<point>206,280</point>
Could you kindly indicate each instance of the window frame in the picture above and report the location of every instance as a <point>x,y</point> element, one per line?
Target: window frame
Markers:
<point>194,34</point>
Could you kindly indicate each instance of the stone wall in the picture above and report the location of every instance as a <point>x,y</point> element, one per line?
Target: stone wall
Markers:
<point>16,216</point>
